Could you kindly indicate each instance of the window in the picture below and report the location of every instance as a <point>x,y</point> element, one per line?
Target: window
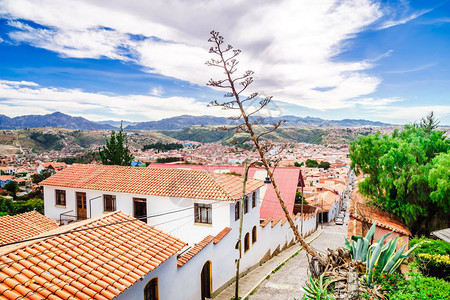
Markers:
<point>254,235</point>
<point>203,213</point>
<point>254,200</point>
<point>151,290</point>
<point>246,204</point>
<point>109,203</point>
<point>60,197</point>
<point>246,242</point>
<point>237,210</point>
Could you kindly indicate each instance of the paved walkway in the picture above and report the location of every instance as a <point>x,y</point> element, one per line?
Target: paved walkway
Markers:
<point>254,278</point>
<point>286,282</point>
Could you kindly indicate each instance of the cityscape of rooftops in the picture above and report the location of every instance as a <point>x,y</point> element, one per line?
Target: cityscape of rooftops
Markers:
<point>198,150</point>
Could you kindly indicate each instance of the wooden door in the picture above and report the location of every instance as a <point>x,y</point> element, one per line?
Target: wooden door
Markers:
<point>140,209</point>
<point>81,206</point>
<point>206,281</point>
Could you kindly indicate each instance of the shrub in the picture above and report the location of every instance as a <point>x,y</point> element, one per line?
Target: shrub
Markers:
<point>433,257</point>
<point>418,287</point>
<point>431,246</point>
<point>435,265</point>
<point>389,282</point>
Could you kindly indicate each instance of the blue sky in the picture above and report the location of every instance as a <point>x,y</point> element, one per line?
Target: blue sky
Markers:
<point>378,60</point>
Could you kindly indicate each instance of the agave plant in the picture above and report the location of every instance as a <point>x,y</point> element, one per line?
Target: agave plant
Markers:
<point>359,246</point>
<point>318,289</point>
<point>386,257</point>
<point>377,254</point>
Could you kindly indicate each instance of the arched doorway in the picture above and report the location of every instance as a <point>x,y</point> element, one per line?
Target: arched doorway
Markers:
<point>205,279</point>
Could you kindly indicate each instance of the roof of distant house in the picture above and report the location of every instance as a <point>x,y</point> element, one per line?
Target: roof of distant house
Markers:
<point>443,234</point>
<point>5,177</point>
<point>57,166</point>
<point>324,200</point>
<point>363,212</point>
<point>96,263</point>
<point>195,184</point>
<point>23,226</point>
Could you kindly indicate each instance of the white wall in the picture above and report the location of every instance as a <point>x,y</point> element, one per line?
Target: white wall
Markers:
<point>183,283</point>
<point>179,223</point>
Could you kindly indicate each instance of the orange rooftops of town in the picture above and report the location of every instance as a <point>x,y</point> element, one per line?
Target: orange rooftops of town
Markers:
<point>20,227</point>
<point>93,259</point>
<point>195,184</point>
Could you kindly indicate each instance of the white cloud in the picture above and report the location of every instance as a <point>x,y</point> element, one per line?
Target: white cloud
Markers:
<point>406,19</point>
<point>157,91</point>
<point>292,44</point>
<point>18,83</point>
<point>19,99</point>
<point>419,68</point>
<point>409,114</point>
<point>372,103</point>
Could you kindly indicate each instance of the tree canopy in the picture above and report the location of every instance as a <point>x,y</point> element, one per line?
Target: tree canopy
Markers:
<point>116,151</point>
<point>408,172</point>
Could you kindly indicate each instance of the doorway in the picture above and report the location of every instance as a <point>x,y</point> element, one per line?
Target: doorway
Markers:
<point>206,283</point>
<point>140,209</point>
<point>81,206</point>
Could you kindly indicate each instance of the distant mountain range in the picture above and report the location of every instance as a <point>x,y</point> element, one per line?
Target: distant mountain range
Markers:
<point>56,119</point>
<point>184,121</point>
<point>61,120</point>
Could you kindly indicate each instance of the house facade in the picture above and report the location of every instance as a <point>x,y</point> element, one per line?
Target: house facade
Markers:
<point>199,203</point>
<point>198,208</point>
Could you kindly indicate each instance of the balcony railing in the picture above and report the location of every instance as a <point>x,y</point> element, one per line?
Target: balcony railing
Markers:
<point>66,218</point>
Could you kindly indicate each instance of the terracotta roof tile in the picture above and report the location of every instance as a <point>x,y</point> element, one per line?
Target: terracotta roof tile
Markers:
<point>194,250</point>
<point>20,227</point>
<point>98,263</point>
<point>196,184</point>
<point>221,235</point>
<point>275,221</point>
<point>265,222</point>
<point>368,214</point>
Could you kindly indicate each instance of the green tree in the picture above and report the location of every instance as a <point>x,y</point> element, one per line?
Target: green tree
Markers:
<point>6,206</point>
<point>299,198</point>
<point>439,180</point>
<point>311,163</point>
<point>324,165</point>
<point>46,173</point>
<point>407,173</point>
<point>116,151</point>
<point>297,164</point>
<point>12,187</point>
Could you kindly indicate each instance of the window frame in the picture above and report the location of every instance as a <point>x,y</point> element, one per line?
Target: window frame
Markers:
<point>254,235</point>
<point>254,200</point>
<point>198,208</point>
<point>156,285</point>
<point>245,205</point>
<point>58,200</point>
<point>247,242</point>
<point>113,199</point>
<point>237,210</point>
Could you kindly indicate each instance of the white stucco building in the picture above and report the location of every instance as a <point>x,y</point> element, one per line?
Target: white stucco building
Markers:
<point>199,208</point>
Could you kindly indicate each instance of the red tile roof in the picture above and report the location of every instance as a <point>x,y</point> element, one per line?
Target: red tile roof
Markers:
<point>196,184</point>
<point>182,260</point>
<point>368,214</point>
<point>20,227</point>
<point>97,263</point>
<point>5,177</point>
